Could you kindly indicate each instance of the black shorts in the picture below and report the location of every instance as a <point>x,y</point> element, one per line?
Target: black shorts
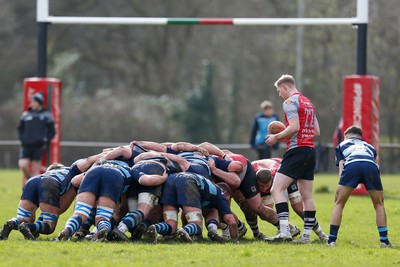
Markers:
<point>249,186</point>
<point>31,152</point>
<point>299,163</point>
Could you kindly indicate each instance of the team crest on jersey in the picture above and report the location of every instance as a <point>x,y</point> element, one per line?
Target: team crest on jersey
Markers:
<point>288,102</point>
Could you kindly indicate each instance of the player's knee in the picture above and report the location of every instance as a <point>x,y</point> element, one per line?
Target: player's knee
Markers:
<point>170,215</point>
<point>194,217</point>
<point>148,199</point>
<point>295,197</point>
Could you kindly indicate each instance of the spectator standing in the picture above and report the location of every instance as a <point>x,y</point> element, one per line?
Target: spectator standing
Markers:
<point>260,130</point>
<point>35,130</point>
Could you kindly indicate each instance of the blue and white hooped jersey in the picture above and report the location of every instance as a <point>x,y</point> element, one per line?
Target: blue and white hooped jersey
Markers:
<point>197,159</point>
<point>122,166</point>
<point>355,150</point>
<point>211,194</point>
<point>61,176</point>
<point>64,176</point>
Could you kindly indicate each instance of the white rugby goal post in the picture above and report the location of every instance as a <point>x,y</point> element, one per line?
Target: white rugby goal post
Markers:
<point>44,19</point>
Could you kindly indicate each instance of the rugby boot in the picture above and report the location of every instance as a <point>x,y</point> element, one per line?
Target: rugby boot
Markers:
<point>184,236</point>
<point>152,234</point>
<point>101,235</point>
<point>81,233</point>
<point>213,236</point>
<point>294,230</point>
<point>137,234</point>
<point>321,235</point>
<point>331,244</point>
<point>119,236</point>
<point>304,239</point>
<point>7,228</point>
<point>90,236</point>
<point>260,236</point>
<point>386,245</point>
<point>280,237</point>
<point>63,235</point>
<point>26,232</point>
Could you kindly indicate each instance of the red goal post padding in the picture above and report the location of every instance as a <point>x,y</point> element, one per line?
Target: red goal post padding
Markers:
<point>361,107</point>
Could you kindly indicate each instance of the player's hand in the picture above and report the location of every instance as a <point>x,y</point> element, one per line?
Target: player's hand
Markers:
<point>203,151</point>
<point>271,139</point>
<point>211,163</point>
<point>132,143</point>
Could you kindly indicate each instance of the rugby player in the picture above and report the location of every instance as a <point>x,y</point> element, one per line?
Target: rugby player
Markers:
<point>299,161</point>
<point>357,164</point>
<point>52,192</point>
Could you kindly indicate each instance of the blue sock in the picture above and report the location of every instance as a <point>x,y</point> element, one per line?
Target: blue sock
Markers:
<point>73,224</point>
<point>163,228</point>
<point>90,220</point>
<point>383,234</point>
<point>39,227</point>
<point>192,229</point>
<point>104,224</point>
<point>333,233</point>
<point>133,219</point>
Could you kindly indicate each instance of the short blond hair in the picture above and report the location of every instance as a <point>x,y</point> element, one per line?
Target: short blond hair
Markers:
<point>287,79</point>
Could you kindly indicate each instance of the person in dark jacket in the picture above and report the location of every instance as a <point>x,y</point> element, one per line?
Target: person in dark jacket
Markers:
<point>35,130</point>
<point>259,130</point>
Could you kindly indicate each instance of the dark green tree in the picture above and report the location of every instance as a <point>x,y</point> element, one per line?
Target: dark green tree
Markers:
<point>198,115</point>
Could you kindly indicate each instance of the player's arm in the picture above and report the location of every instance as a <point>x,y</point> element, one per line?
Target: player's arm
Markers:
<point>230,220</point>
<point>85,164</point>
<point>183,163</point>
<point>214,150</point>
<point>66,199</point>
<point>231,178</point>
<point>122,151</point>
<point>185,146</point>
<point>317,131</point>
<point>153,179</point>
<point>150,145</point>
<point>291,129</point>
<point>77,180</point>
<point>146,155</point>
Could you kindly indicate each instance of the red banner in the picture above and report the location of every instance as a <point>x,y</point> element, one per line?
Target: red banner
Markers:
<point>51,88</point>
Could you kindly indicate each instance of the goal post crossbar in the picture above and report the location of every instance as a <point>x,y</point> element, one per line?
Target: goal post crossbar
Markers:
<point>43,16</point>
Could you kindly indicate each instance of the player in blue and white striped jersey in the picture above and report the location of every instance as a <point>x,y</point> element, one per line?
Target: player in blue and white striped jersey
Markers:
<point>191,192</point>
<point>357,164</point>
<point>52,192</point>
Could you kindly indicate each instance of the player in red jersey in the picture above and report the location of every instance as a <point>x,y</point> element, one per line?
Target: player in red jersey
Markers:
<point>299,160</point>
<point>246,193</point>
<point>266,170</point>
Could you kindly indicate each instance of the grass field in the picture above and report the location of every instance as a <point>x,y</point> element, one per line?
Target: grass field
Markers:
<point>358,243</point>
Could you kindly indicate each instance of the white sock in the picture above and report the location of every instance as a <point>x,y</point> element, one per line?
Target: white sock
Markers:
<point>284,226</point>
<point>122,227</point>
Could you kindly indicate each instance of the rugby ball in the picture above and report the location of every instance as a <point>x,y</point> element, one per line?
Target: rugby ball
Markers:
<point>276,127</point>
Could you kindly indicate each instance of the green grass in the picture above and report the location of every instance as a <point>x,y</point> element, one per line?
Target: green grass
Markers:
<point>358,243</point>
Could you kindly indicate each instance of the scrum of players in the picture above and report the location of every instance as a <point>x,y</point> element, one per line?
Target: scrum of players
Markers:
<point>144,190</point>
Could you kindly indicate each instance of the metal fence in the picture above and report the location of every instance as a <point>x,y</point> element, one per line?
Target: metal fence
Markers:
<point>389,154</point>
